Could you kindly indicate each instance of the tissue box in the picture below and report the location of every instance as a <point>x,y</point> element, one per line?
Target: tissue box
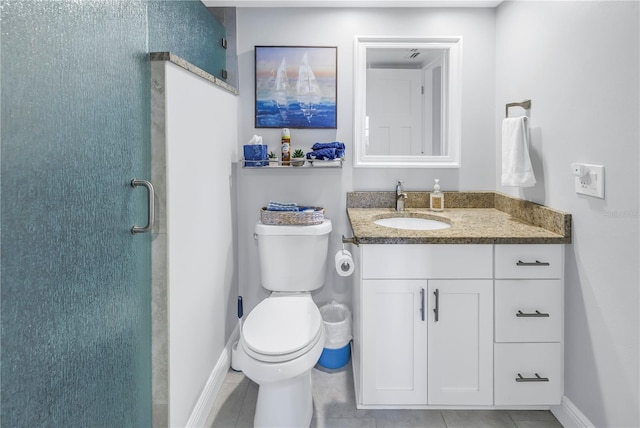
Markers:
<point>255,155</point>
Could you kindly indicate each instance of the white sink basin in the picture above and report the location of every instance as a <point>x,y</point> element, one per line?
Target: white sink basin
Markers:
<point>412,223</point>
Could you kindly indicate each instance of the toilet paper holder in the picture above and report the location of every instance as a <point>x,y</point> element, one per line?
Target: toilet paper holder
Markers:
<point>344,261</point>
<point>353,240</point>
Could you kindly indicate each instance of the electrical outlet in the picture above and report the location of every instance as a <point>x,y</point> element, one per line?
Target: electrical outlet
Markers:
<point>589,179</point>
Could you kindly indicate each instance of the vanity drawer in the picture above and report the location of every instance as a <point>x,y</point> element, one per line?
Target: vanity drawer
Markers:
<point>528,310</point>
<point>529,261</point>
<point>515,370</point>
<point>408,261</point>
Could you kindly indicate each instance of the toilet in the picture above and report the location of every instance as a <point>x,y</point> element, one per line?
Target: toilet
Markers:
<point>283,336</point>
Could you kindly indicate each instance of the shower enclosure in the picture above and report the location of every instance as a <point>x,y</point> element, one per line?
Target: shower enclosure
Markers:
<point>75,282</point>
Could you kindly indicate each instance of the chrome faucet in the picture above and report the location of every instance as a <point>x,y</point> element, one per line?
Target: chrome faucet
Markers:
<point>400,196</point>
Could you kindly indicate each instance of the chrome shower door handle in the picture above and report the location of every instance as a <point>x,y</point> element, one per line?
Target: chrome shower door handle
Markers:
<point>151,213</point>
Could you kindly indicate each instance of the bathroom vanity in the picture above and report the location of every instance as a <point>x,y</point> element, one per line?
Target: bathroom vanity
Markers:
<point>471,315</point>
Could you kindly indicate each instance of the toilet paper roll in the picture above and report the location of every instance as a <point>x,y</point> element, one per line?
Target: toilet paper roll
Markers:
<point>344,263</point>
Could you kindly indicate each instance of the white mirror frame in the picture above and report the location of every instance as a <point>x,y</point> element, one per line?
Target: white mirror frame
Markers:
<point>451,99</point>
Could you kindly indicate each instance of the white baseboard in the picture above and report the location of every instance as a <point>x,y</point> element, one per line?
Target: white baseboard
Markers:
<point>203,407</point>
<point>570,416</point>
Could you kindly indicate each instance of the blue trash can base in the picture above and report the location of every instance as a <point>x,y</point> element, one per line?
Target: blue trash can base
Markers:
<point>335,358</point>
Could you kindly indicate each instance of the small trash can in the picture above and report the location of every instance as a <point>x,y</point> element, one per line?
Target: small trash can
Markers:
<point>337,328</point>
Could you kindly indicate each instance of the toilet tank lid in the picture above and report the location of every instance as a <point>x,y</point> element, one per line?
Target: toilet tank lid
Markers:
<point>315,229</point>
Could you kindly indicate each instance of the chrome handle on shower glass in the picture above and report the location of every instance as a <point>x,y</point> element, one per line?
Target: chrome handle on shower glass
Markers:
<point>437,308</point>
<point>536,263</point>
<point>422,303</point>
<point>536,314</point>
<point>151,215</point>
<point>520,378</point>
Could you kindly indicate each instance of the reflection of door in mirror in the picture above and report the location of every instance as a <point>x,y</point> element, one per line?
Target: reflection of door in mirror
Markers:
<point>403,110</point>
<point>434,84</point>
<point>394,107</point>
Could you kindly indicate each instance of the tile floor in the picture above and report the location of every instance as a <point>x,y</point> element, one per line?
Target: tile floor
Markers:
<point>334,406</point>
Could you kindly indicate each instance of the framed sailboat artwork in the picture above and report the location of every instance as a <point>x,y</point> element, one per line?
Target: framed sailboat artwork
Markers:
<point>296,86</point>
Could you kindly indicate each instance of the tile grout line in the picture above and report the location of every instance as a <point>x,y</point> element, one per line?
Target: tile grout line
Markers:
<point>244,398</point>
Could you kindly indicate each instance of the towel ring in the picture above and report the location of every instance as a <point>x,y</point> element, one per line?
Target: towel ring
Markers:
<point>524,104</point>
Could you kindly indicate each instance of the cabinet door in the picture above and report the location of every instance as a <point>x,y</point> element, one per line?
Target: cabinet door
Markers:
<point>394,342</point>
<point>460,332</point>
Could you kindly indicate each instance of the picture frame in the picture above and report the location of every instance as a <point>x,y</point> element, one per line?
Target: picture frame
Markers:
<point>296,87</point>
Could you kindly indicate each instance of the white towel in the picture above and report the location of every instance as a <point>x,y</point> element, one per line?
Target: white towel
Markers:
<point>516,163</point>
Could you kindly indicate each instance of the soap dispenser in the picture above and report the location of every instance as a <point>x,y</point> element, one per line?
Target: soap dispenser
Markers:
<point>436,199</point>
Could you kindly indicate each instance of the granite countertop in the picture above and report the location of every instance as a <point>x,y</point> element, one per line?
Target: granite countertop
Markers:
<point>475,218</point>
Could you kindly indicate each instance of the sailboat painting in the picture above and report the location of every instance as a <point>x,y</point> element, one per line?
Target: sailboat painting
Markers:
<point>296,86</point>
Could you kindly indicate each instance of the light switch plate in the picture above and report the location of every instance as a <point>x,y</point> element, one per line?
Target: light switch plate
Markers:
<point>592,183</point>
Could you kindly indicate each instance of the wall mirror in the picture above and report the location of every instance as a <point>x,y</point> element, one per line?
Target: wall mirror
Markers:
<point>407,104</point>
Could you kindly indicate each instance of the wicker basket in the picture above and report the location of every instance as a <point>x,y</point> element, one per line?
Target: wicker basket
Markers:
<point>292,217</point>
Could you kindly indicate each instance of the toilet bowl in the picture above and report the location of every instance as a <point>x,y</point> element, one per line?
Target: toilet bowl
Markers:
<point>282,338</point>
<point>281,341</point>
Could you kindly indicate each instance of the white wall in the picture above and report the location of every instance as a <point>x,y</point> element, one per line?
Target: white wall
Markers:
<point>328,187</point>
<point>578,62</point>
<point>201,126</point>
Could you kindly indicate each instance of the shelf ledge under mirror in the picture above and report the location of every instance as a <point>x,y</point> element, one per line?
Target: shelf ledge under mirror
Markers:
<point>308,163</point>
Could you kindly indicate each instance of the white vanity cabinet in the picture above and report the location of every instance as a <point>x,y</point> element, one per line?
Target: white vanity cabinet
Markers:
<point>528,324</point>
<point>402,355</point>
<point>497,339</point>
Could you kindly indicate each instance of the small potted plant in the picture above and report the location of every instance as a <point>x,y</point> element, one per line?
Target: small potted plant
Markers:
<point>273,159</point>
<point>297,158</point>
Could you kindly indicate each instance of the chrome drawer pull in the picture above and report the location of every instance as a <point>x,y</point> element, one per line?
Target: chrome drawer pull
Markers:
<point>536,263</point>
<point>537,314</point>
<point>436,310</point>
<point>422,303</point>
<point>520,378</point>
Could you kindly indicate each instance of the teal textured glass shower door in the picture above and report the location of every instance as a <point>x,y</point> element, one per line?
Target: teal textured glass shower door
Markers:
<point>75,284</point>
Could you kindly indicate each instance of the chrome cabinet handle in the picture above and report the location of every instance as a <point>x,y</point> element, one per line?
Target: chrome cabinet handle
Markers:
<point>436,310</point>
<point>537,314</point>
<point>520,378</point>
<point>536,263</point>
<point>422,303</point>
<point>151,214</point>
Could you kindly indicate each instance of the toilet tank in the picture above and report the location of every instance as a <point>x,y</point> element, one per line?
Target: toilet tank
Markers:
<point>293,258</point>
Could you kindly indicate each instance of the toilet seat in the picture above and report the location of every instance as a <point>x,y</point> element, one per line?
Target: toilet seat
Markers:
<point>282,328</point>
